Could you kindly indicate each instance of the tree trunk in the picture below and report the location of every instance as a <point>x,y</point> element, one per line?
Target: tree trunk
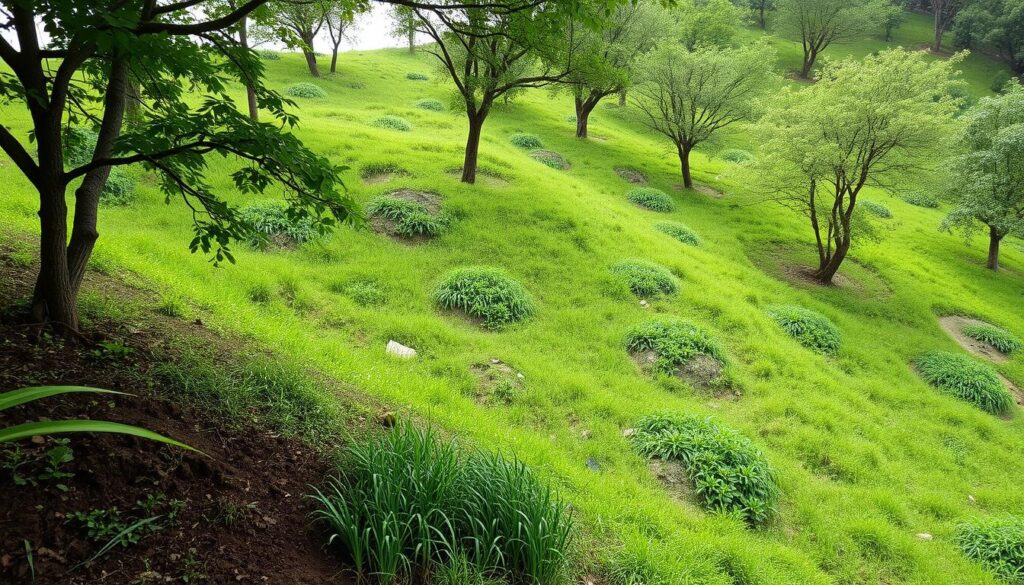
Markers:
<point>412,39</point>
<point>334,59</point>
<point>583,109</point>
<point>54,298</point>
<point>622,98</point>
<point>809,58</point>
<point>476,125</point>
<point>760,19</point>
<point>684,161</point>
<point>310,54</point>
<point>827,269</point>
<point>250,91</point>
<point>994,238</point>
<point>937,42</point>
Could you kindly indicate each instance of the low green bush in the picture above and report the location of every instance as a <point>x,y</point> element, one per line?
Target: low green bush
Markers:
<point>999,81</point>
<point>306,90</point>
<point>876,209</point>
<point>812,329</point>
<point>79,144</point>
<point>410,218</point>
<point>996,543</point>
<point>119,189</point>
<point>485,293</point>
<point>736,155</point>
<point>921,200</point>
<point>408,504</point>
<point>550,159</point>
<point>415,76</point>
<point>728,472</point>
<point>392,123</point>
<point>274,224</point>
<point>678,231</point>
<point>966,379</point>
<point>374,169</point>
<point>651,198</point>
<point>1000,339</point>
<point>526,141</point>
<point>646,279</point>
<point>270,55</point>
<point>432,105</point>
<point>673,342</point>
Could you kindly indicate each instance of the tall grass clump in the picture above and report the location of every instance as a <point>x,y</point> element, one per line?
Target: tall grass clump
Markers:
<point>374,169</point>
<point>1000,339</point>
<point>486,293</point>
<point>416,76</point>
<point>966,379</point>
<point>410,219</point>
<point>678,231</point>
<point>810,328</point>
<point>651,198</point>
<point>921,200</point>
<point>306,90</point>
<point>392,123</point>
<point>79,145</point>
<point>728,472</point>
<point>407,505</point>
<point>431,105</point>
<point>876,209</point>
<point>736,155</point>
<point>996,543</point>
<point>270,55</point>
<point>673,342</point>
<point>646,279</point>
<point>525,140</point>
<point>271,224</point>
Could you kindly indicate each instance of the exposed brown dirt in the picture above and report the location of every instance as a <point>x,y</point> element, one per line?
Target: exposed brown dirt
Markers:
<point>672,475</point>
<point>700,372</point>
<point>483,175</point>
<point>953,325</point>
<point>708,190</point>
<point>631,175</point>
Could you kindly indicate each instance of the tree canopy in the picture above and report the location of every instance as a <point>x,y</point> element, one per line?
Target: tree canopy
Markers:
<point>994,24</point>
<point>821,23</point>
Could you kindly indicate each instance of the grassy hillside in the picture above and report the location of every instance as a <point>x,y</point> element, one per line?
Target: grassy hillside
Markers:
<point>867,454</point>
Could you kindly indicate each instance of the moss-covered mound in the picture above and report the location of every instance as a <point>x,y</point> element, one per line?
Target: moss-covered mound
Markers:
<point>431,105</point>
<point>673,343</point>
<point>812,329</point>
<point>551,159</point>
<point>651,198</point>
<point>966,379</point>
<point>876,209</point>
<point>646,279</point>
<point>525,141</point>
<point>486,293</point>
<point>306,90</point>
<point>678,231</point>
<point>392,123</point>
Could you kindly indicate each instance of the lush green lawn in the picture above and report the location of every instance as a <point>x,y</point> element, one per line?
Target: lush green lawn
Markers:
<point>867,454</point>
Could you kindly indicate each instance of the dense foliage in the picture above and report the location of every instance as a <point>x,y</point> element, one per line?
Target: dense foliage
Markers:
<point>651,198</point>
<point>966,379</point>
<point>673,342</point>
<point>646,279</point>
<point>306,90</point>
<point>998,338</point>
<point>996,543</point>
<point>678,231</point>
<point>392,123</point>
<point>526,141</point>
<point>919,199</point>
<point>489,294</point>
<point>812,329</point>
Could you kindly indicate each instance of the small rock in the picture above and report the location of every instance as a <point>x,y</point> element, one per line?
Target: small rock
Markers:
<point>495,361</point>
<point>970,498</point>
<point>397,349</point>
<point>644,303</point>
<point>592,464</point>
<point>585,435</point>
<point>923,536</point>
<point>387,420</point>
<point>627,433</point>
<point>520,375</point>
<point>37,439</point>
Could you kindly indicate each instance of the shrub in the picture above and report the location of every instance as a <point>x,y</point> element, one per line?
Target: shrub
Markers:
<point>678,231</point>
<point>966,379</point>
<point>812,329</point>
<point>728,472</point>
<point>996,543</point>
<point>392,123</point>
<point>921,200</point>
<point>271,223</point>
<point>119,190</point>
<point>1000,339</point>
<point>432,105</point>
<point>380,168</point>
<point>551,159</point>
<point>646,279</point>
<point>79,144</point>
<point>306,90</point>
<point>736,155</point>
<point>410,218</point>
<point>270,56</point>
<point>414,76</point>
<point>650,198</point>
<point>408,503</point>
<point>673,342</point>
<point>876,209</point>
<point>486,293</point>
<point>526,141</point>
<point>999,81</point>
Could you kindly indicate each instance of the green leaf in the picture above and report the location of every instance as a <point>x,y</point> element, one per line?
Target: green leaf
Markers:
<point>23,395</point>
<point>26,430</point>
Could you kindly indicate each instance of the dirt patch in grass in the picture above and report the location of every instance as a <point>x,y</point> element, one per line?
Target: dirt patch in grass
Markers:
<point>383,225</point>
<point>701,372</point>
<point>497,382</point>
<point>782,261</point>
<point>702,189</point>
<point>953,325</point>
<point>378,178</point>
<point>551,159</point>
<point>633,176</point>
<point>672,475</point>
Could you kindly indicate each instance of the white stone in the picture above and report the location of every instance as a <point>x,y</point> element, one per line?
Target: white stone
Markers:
<point>924,536</point>
<point>397,349</point>
<point>628,433</point>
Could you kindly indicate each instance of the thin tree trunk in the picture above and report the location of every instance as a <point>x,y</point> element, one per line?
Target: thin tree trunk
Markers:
<point>583,110</point>
<point>684,161</point>
<point>937,42</point>
<point>334,59</point>
<point>760,20</point>
<point>994,238</point>
<point>250,91</point>
<point>809,57</point>
<point>476,124</point>
<point>412,39</point>
<point>622,98</point>
<point>310,55</point>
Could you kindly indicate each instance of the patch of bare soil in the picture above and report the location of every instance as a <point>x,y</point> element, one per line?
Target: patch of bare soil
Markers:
<point>378,178</point>
<point>551,159</point>
<point>700,372</point>
<point>1018,394</point>
<point>672,475</point>
<point>953,325</point>
<point>631,175</point>
<point>497,382</point>
<point>708,190</point>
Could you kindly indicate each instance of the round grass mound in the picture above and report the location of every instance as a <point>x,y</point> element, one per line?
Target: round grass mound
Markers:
<point>1000,339</point>
<point>728,472</point>
<point>651,198</point>
<point>271,225</point>
<point>551,159</point>
<point>678,231</point>
<point>431,105</point>
<point>966,379</point>
<point>270,55</point>
<point>525,140</point>
<point>486,293</point>
<point>415,76</point>
<point>646,279</point>
<point>392,123</point>
<point>921,200</point>
<point>736,155</point>
<point>876,209</point>
<point>673,342</point>
<point>306,90</point>
<point>996,543</point>
<point>810,328</point>
<point>407,218</point>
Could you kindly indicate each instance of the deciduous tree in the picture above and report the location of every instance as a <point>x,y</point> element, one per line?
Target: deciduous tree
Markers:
<point>994,24</point>
<point>821,23</point>
<point>709,23</point>
<point>298,22</point>
<point>404,25</point>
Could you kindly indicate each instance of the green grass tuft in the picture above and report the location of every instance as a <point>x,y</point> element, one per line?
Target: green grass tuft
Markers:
<point>876,209</point>
<point>550,159</point>
<point>381,168</point>
<point>996,543</point>
<point>651,198</point>
<point>646,279</point>
<point>1000,339</point>
<point>919,199</point>
<point>966,379</point>
<point>416,76</point>
<point>736,155</point>
<point>526,141</point>
<point>392,123</point>
<point>673,342</point>
<point>812,329</point>
<point>431,105</point>
<point>678,231</point>
<point>410,219</point>
<point>270,55</point>
<point>272,224</point>
<point>486,293</point>
<point>728,472</point>
<point>306,90</point>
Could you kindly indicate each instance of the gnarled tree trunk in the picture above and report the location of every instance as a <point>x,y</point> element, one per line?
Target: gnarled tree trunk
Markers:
<point>583,109</point>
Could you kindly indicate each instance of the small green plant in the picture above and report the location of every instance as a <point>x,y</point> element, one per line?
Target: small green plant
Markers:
<point>101,525</point>
<point>415,76</point>
<point>306,90</point>
<point>392,123</point>
<point>678,231</point>
<point>673,342</point>
<point>431,105</point>
<point>366,293</point>
<point>375,169</point>
<point>966,379</point>
<point>260,293</point>
<point>111,351</point>
<point>646,279</point>
<point>736,155</point>
<point>1000,339</point>
<point>651,198</point>
<point>876,209</point>
<point>550,159</point>
<point>271,224</point>
<point>997,543</point>
<point>526,141</point>
<point>410,219</point>
<point>485,293</point>
<point>270,55</point>
<point>810,328</point>
<point>921,199</point>
<point>29,468</point>
<point>728,472</point>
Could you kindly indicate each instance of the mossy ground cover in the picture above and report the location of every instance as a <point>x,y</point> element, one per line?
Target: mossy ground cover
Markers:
<point>866,453</point>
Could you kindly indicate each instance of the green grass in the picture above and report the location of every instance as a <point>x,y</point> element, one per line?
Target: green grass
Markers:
<point>810,328</point>
<point>1000,339</point>
<point>646,279</point>
<point>651,198</point>
<point>673,342</point>
<point>486,293</point>
<point>270,223</point>
<point>966,379</point>
<point>525,140</point>
<point>678,231</point>
<point>866,453</point>
<point>996,543</point>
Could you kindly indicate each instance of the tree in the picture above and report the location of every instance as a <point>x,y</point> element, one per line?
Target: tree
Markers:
<point>761,8</point>
<point>404,25</point>
<point>986,181</point>
<point>298,23</point>
<point>689,95</point>
<point>604,60</point>
<point>183,59</point>
<point>872,122</point>
<point>995,24</point>
<point>495,53</point>
<point>821,23</point>
<point>943,14</point>
<point>339,17</point>
<point>705,22</point>
<point>894,14</point>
